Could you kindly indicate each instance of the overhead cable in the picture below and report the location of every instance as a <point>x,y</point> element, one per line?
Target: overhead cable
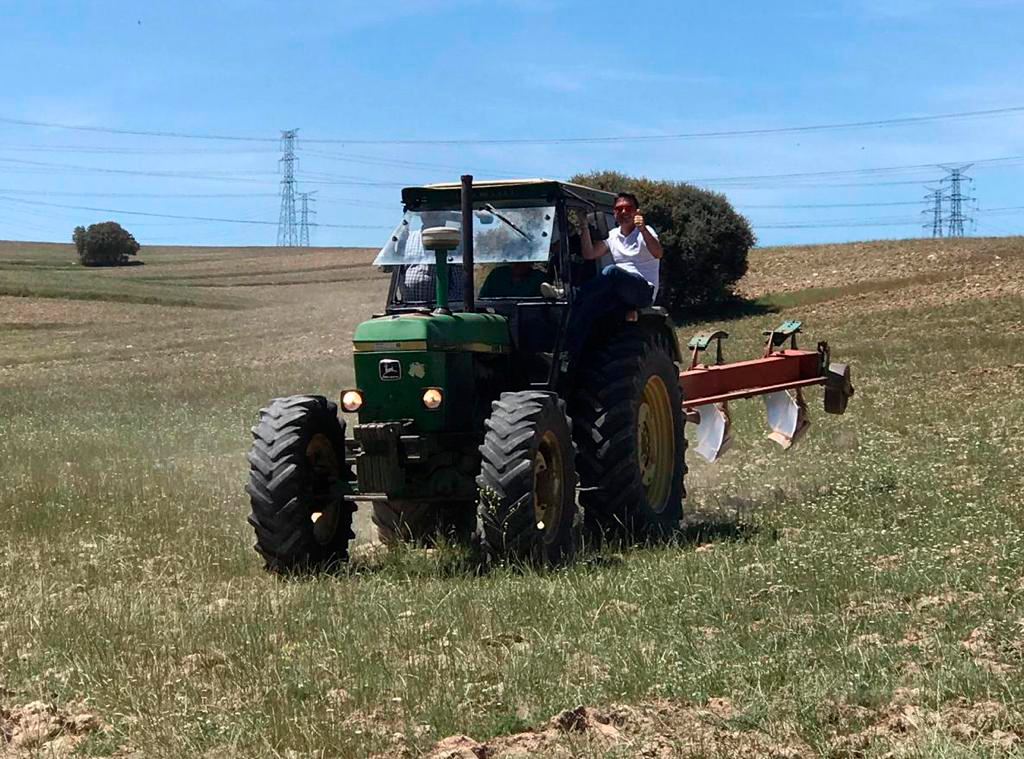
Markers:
<point>176,216</point>
<point>872,123</point>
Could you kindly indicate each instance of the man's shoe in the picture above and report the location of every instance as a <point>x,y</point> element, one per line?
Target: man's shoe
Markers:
<point>551,292</point>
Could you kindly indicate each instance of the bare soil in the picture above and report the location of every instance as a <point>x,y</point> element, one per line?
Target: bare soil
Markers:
<point>794,268</point>
<point>39,729</point>
<point>665,729</point>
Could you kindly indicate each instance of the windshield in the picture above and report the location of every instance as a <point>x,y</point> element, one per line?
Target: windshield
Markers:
<point>500,235</point>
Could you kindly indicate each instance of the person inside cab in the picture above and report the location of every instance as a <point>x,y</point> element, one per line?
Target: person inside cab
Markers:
<point>520,279</point>
<point>416,283</point>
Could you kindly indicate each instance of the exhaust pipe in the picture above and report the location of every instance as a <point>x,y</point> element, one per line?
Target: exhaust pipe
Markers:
<point>468,297</point>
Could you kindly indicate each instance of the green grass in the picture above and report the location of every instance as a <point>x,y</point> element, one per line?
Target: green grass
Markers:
<point>812,295</point>
<point>807,587</point>
<point>59,282</point>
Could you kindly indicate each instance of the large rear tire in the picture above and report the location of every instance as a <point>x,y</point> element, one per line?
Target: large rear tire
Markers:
<point>296,485</point>
<point>527,483</point>
<point>628,427</point>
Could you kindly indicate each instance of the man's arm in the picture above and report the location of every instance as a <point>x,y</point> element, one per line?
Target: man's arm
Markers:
<point>653,243</point>
<point>588,247</point>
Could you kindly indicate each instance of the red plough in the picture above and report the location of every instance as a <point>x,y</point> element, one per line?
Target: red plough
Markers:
<point>779,376</point>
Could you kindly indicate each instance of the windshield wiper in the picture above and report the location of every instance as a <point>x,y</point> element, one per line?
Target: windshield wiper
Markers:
<point>494,211</point>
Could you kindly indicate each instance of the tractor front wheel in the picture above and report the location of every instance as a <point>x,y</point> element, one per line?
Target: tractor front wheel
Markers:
<point>297,481</point>
<point>527,482</point>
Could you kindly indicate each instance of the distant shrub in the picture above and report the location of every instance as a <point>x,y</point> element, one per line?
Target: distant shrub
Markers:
<point>704,238</point>
<point>79,238</point>
<point>104,244</point>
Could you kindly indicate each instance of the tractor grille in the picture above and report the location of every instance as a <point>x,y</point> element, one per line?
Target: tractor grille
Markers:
<point>379,463</point>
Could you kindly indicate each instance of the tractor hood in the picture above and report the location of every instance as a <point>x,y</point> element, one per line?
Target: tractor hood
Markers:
<point>478,333</point>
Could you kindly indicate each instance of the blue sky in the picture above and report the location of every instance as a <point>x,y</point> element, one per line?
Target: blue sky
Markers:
<point>469,70</point>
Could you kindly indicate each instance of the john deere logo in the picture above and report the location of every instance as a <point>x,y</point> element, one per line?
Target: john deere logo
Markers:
<point>390,369</point>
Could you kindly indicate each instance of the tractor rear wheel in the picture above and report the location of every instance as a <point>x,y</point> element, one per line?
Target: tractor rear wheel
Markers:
<point>527,483</point>
<point>297,477</point>
<point>628,424</point>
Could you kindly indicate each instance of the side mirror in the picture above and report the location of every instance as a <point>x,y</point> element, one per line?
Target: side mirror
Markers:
<point>598,223</point>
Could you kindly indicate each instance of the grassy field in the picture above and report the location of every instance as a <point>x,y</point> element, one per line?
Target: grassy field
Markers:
<point>860,595</point>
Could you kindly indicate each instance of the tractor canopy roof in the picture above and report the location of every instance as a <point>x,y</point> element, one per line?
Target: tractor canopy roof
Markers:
<point>514,220</point>
<point>527,191</point>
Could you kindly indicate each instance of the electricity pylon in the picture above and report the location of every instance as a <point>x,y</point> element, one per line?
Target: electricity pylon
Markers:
<point>955,225</point>
<point>304,224</point>
<point>287,234</point>
<point>934,199</point>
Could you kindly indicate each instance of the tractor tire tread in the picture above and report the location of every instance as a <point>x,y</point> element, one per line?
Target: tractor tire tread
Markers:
<point>507,530</point>
<point>283,491</point>
<point>604,408</point>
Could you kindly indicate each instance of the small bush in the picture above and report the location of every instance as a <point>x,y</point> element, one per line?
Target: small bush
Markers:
<point>104,244</point>
<point>705,239</point>
<point>79,238</point>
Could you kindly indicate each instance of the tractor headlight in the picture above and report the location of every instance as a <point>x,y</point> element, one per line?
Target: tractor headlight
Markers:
<point>432,398</point>
<point>351,400</point>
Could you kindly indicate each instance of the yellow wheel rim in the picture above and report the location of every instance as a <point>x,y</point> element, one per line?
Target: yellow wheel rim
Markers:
<point>327,511</point>
<point>656,443</point>
<point>548,487</point>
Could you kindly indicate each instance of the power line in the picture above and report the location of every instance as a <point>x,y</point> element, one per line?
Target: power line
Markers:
<point>400,163</point>
<point>106,149</point>
<point>999,210</point>
<point>1005,160</point>
<point>219,176</point>
<point>759,181</point>
<point>827,225</point>
<point>833,205</point>
<point>872,220</point>
<point>91,194</point>
<point>813,185</point>
<point>873,123</point>
<point>137,132</point>
<point>685,135</point>
<point>175,216</point>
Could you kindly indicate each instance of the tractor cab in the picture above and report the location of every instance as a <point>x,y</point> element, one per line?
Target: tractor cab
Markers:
<point>525,240</point>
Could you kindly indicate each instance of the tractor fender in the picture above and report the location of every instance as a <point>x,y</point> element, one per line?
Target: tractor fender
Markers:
<point>655,320</point>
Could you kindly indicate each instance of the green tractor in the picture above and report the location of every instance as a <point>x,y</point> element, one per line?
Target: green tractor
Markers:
<point>471,422</point>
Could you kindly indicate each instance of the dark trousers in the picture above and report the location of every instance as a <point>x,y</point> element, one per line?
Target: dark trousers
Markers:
<point>612,292</point>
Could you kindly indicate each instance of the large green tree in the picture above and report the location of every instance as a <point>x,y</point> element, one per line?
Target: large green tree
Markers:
<point>705,239</point>
<point>104,244</point>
